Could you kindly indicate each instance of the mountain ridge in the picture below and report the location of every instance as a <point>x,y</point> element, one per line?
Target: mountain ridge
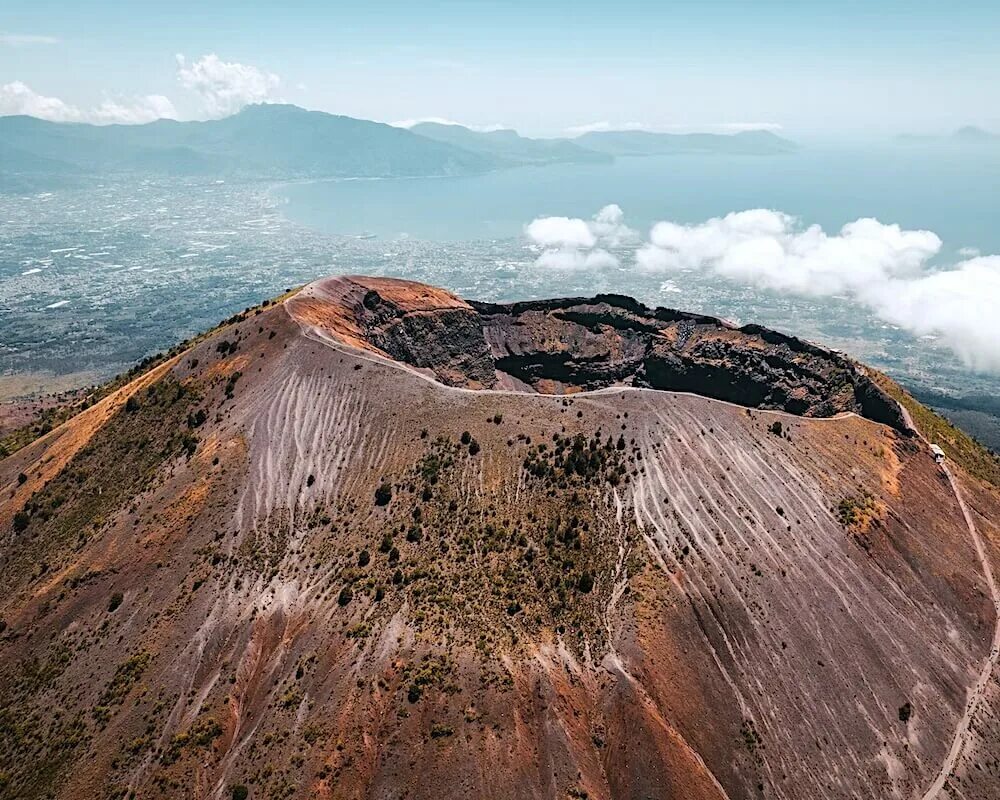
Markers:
<point>275,141</point>
<point>259,141</point>
<point>646,143</point>
<point>510,145</point>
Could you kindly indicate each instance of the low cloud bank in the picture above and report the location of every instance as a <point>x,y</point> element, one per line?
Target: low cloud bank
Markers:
<point>605,126</point>
<point>569,243</point>
<point>883,267</point>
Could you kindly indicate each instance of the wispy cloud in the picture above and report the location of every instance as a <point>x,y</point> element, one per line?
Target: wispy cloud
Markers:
<point>25,39</point>
<point>708,127</point>
<point>226,86</point>
<point>19,98</point>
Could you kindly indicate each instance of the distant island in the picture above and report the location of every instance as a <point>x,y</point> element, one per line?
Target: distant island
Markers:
<point>271,141</point>
<point>966,135</point>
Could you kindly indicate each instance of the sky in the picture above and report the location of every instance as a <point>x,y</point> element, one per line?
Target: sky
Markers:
<point>812,69</point>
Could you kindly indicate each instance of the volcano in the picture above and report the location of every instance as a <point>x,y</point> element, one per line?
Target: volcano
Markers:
<point>372,540</point>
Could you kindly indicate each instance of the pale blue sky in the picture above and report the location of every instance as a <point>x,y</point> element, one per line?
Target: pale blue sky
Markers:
<point>832,68</point>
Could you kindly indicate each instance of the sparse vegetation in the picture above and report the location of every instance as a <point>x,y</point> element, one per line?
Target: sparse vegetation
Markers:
<point>200,735</point>
<point>751,739</point>
<point>118,462</point>
<point>958,446</point>
<point>858,511</point>
<point>383,494</point>
<point>439,731</point>
<point>126,676</point>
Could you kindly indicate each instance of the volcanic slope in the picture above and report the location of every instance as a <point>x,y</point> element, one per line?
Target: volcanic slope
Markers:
<point>375,541</point>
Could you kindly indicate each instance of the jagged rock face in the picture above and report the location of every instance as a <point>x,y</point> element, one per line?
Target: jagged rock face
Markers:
<point>572,345</point>
<point>284,561</point>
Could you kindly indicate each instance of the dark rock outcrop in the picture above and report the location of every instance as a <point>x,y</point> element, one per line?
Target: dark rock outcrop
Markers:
<point>578,343</point>
<point>565,346</point>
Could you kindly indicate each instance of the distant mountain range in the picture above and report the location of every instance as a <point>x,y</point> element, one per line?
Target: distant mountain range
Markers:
<point>969,134</point>
<point>649,143</point>
<point>261,141</point>
<point>508,145</point>
<point>284,141</point>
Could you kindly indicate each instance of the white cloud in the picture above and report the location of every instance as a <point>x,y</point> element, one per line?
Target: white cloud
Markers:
<point>25,39</point>
<point>573,243</point>
<point>226,86</point>
<point>18,98</point>
<point>883,267</point>
<point>139,110</point>
<point>959,305</point>
<point>604,126</point>
<point>561,232</point>
<point>770,249</point>
<point>610,229</point>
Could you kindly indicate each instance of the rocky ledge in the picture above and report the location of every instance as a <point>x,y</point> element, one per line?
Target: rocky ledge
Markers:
<point>569,345</point>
